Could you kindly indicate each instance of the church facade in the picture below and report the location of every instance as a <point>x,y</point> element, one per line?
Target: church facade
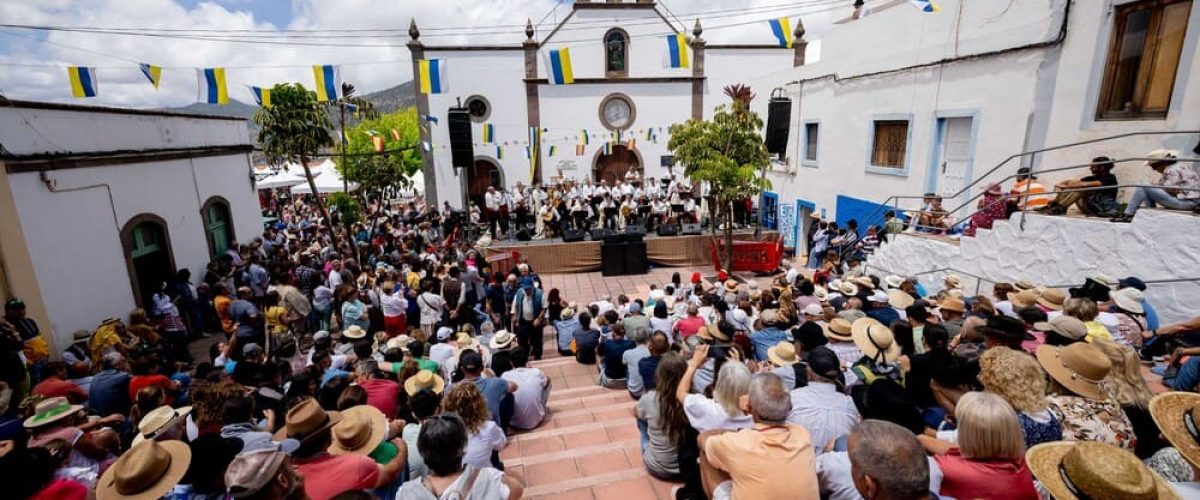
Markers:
<point>613,119</point>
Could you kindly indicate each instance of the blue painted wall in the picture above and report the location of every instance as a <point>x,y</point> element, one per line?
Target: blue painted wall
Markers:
<point>866,212</point>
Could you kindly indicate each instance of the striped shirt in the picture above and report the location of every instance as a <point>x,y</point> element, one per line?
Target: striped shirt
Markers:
<point>1034,188</point>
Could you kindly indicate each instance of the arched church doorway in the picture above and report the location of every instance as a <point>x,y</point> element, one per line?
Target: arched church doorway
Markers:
<point>147,255</point>
<point>614,166</point>
<point>484,173</point>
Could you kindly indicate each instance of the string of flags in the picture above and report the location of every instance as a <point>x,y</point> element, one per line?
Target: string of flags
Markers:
<point>431,76</point>
<point>211,84</point>
<point>83,81</point>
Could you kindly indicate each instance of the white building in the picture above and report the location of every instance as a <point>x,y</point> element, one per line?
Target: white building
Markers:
<point>904,102</point>
<point>622,83</point>
<point>101,205</point>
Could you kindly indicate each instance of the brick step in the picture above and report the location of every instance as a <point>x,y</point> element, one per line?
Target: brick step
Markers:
<point>627,484</point>
<point>597,413</point>
<point>589,400</point>
<point>547,431</point>
<point>589,444</point>
<point>557,394</point>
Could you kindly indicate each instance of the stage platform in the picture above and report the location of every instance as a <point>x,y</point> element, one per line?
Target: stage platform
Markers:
<point>555,256</point>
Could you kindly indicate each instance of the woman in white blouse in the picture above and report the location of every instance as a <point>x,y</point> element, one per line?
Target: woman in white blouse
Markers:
<point>722,411</point>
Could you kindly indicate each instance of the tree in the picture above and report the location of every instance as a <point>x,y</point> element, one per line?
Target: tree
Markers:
<point>378,173</point>
<point>295,128</point>
<point>726,153</point>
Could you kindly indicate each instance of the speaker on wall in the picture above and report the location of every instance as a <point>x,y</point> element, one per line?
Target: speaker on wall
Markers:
<point>462,150</point>
<point>778,112</point>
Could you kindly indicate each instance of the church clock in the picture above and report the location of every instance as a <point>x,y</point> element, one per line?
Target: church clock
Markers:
<point>617,112</point>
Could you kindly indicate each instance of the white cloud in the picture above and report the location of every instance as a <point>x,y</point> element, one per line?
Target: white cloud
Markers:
<point>23,74</point>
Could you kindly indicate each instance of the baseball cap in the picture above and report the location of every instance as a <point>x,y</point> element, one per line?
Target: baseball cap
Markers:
<point>471,361</point>
<point>251,471</point>
<point>1133,282</point>
<point>444,333</point>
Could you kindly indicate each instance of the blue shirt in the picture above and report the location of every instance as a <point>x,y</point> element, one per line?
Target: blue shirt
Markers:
<point>109,393</point>
<point>494,391</point>
<point>611,352</point>
<point>885,315</point>
<point>646,367</point>
<point>765,339</point>
<point>1151,315</point>
<point>331,373</point>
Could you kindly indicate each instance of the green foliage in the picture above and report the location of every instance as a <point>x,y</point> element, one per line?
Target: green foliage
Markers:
<point>347,206</point>
<point>375,173</point>
<point>294,126</point>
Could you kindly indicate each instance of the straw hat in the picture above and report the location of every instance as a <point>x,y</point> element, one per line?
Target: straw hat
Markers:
<point>1129,299</point>
<point>1023,298</point>
<point>306,420</point>
<point>1079,367</point>
<point>821,293</point>
<point>952,304</point>
<point>567,313</point>
<point>1070,470</point>
<point>893,281</point>
<point>503,339</point>
<point>362,428</point>
<point>354,332</point>
<point>157,420</point>
<point>874,339</point>
<point>953,281</point>
<point>1052,298</point>
<point>848,289</point>
<point>465,341</point>
<point>865,281</point>
<point>711,332</point>
<point>80,336</point>
<point>899,299</point>
<point>770,317</point>
<point>731,285</point>
<point>1024,285</point>
<point>1161,155</point>
<point>147,471</point>
<point>839,329</point>
<point>1177,415</point>
<point>783,354</point>
<point>1067,326</point>
<point>399,342</point>
<point>424,380</point>
<point>51,410</point>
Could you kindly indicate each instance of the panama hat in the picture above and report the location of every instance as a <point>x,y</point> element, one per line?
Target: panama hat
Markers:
<point>1071,470</point>
<point>783,354</point>
<point>953,280</point>
<point>51,410</point>
<point>821,293</point>
<point>1067,326</point>
<point>731,285</point>
<point>1023,298</point>
<point>952,304</point>
<point>1052,298</point>
<point>1080,367</point>
<point>1177,415</point>
<point>567,313</point>
<point>399,342</point>
<point>306,420</point>
<point>502,340</point>
<point>848,289</point>
<point>80,336</point>
<point>712,332</point>
<point>424,380</point>
<point>157,420</point>
<point>865,281</point>
<point>1129,299</point>
<point>147,471</point>
<point>893,281</point>
<point>1024,285</point>
<point>465,341</point>
<point>899,299</point>
<point>362,428</point>
<point>354,332</point>
<point>1161,155</point>
<point>839,329</point>
<point>875,339</point>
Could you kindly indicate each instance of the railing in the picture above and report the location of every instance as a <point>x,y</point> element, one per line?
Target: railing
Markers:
<point>979,279</point>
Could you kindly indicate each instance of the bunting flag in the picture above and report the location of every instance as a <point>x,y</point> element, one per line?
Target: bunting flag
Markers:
<point>782,29</point>
<point>83,81</point>
<point>925,5</point>
<point>677,51</point>
<point>499,152</point>
<point>553,150</point>
<point>430,119</point>
<point>212,86</point>
<point>559,68</point>
<point>261,95</point>
<point>580,149</point>
<point>431,75</point>
<point>377,141</point>
<point>329,80</point>
<point>529,152</point>
<point>583,137</point>
<point>631,144</point>
<point>396,134</point>
<point>649,134</point>
<point>608,148</point>
<point>489,133</point>
<point>152,72</point>
<point>535,143</point>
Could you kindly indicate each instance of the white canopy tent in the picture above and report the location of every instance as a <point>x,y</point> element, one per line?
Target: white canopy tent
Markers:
<point>327,181</point>
<point>289,175</point>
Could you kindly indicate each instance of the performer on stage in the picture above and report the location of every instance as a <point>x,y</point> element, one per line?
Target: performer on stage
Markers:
<point>491,209</point>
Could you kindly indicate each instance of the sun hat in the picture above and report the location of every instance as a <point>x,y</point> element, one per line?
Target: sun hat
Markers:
<point>502,340</point>
<point>51,410</point>
<point>1024,285</point>
<point>899,299</point>
<point>1071,470</point>
<point>952,304</point>
<point>465,341</point>
<point>399,342</point>
<point>362,428</point>
<point>424,380</point>
<point>865,282</point>
<point>250,471</point>
<point>839,329</point>
<point>1129,299</point>
<point>157,420</point>
<point>813,310</point>
<point>146,471</point>
<point>770,316</point>
<point>953,280</point>
<point>307,420</point>
<point>731,285</point>
<point>567,313</point>
<point>1103,280</point>
<point>712,332</point>
<point>1161,155</point>
<point>878,297</point>
<point>1177,415</point>
<point>1067,326</point>
<point>444,333</point>
<point>893,281</point>
<point>1023,298</point>
<point>875,340</point>
<point>1079,367</point>
<point>783,354</point>
<point>354,332</point>
<point>1052,298</point>
<point>80,336</point>
<point>848,289</point>
<point>821,293</point>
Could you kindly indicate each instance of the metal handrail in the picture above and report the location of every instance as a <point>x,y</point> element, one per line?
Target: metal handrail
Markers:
<point>989,280</point>
<point>980,178</point>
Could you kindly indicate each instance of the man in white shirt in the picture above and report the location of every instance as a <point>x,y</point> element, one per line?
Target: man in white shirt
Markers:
<point>533,390</point>
<point>442,351</point>
<point>822,406</point>
<point>335,274</point>
<point>603,305</point>
<point>491,206</point>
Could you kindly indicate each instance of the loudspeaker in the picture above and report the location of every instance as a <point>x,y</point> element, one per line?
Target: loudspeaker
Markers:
<point>614,239</point>
<point>668,229</point>
<point>462,151</point>
<point>612,260</point>
<point>691,229</point>
<point>573,235</point>
<point>635,258</point>
<point>637,229</point>
<point>523,235</point>
<point>778,112</point>
<point>600,234</point>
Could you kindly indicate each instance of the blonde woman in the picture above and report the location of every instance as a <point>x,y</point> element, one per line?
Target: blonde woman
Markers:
<point>989,461</point>
<point>1016,377</point>
<point>1126,385</point>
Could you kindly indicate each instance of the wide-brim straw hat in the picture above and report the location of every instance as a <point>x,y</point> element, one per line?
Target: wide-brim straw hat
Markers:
<point>1129,299</point>
<point>953,280</point>
<point>1177,415</point>
<point>354,332</point>
<point>820,293</point>
<point>362,428</point>
<point>1160,155</point>
<point>952,304</point>
<point>711,332</point>
<point>158,419</point>
<point>1080,367</point>
<point>839,329</point>
<point>899,299</point>
<point>731,285</point>
<point>306,420</point>
<point>875,339</point>
<point>1071,470</point>
<point>848,289</point>
<point>502,340</point>
<point>424,380</point>
<point>893,281</point>
<point>783,354</point>
<point>1023,298</point>
<point>865,282</point>
<point>399,342</point>
<point>51,410</point>
<point>1052,298</point>
<point>146,472</point>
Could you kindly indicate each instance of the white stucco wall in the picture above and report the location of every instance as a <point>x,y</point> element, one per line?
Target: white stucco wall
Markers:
<point>1063,251</point>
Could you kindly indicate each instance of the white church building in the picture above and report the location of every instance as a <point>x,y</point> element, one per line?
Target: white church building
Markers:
<point>624,94</point>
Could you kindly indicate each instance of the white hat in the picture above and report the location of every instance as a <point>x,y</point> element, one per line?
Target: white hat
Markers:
<point>1129,299</point>
<point>444,333</point>
<point>878,296</point>
<point>893,281</point>
<point>813,310</point>
<point>1161,155</point>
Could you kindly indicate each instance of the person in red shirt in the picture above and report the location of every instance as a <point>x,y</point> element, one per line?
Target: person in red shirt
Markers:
<point>145,374</point>
<point>56,384</point>
<point>690,324</point>
<point>989,461</point>
<point>327,475</point>
<point>381,393</point>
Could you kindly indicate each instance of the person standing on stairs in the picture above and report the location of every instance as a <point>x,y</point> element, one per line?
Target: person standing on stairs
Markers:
<point>528,317</point>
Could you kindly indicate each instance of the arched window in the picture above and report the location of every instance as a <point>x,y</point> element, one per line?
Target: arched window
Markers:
<point>218,225</point>
<point>148,255</point>
<point>616,53</point>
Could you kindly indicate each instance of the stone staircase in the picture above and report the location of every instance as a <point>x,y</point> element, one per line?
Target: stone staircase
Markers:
<point>588,447</point>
